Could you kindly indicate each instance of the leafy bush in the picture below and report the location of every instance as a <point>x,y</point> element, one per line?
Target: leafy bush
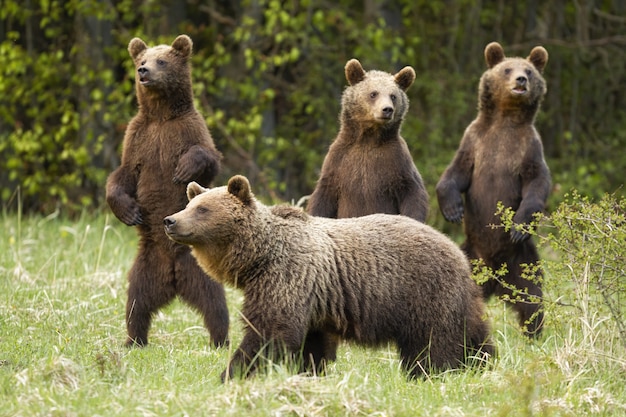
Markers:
<point>590,240</point>
<point>55,104</point>
<point>584,245</point>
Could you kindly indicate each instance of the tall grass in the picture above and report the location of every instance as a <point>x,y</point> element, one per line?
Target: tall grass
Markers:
<point>62,298</point>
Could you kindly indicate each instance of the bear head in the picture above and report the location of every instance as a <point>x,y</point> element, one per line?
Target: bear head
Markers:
<point>211,214</point>
<point>512,85</point>
<point>375,98</point>
<point>162,69</point>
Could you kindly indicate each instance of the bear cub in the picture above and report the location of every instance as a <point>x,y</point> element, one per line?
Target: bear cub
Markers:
<point>309,280</point>
<point>166,145</point>
<point>500,159</point>
<point>368,168</point>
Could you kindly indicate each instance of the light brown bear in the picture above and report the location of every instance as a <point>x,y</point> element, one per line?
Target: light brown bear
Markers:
<point>368,168</point>
<point>167,144</point>
<point>500,159</point>
<point>373,279</point>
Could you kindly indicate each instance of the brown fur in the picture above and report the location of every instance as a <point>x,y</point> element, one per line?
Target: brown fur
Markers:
<point>500,158</point>
<point>308,281</point>
<point>167,145</point>
<point>368,168</point>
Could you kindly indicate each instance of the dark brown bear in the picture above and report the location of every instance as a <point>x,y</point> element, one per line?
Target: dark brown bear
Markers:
<point>307,280</point>
<point>368,168</point>
<point>500,159</point>
<point>167,144</point>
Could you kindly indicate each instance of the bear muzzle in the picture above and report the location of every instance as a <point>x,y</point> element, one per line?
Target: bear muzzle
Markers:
<point>171,229</point>
<point>144,75</point>
<point>387,112</point>
<point>521,84</point>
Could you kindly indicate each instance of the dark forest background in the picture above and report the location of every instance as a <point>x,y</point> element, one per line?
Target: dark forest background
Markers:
<point>268,77</point>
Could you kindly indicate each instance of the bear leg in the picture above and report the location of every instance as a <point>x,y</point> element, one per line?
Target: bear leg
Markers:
<point>419,357</point>
<point>319,349</point>
<point>148,291</point>
<point>529,308</point>
<point>528,302</point>
<point>205,295</point>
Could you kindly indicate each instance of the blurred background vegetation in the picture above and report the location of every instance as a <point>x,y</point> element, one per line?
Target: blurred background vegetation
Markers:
<point>268,77</point>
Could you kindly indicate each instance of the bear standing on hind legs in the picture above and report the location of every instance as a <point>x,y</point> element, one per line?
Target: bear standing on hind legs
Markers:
<point>166,145</point>
<point>500,159</point>
<point>368,168</point>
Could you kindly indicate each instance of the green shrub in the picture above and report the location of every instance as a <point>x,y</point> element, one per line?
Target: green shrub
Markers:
<point>589,240</point>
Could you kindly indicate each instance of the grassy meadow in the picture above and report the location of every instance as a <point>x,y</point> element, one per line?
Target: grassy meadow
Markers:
<point>62,298</point>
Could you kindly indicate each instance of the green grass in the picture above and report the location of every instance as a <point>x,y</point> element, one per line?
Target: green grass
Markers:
<point>62,298</point>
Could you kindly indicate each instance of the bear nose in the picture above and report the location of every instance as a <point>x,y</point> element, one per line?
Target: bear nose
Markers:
<point>388,112</point>
<point>521,80</point>
<point>169,221</point>
<point>142,70</point>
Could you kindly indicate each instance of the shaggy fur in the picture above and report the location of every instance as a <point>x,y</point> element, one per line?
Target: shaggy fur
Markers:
<point>368,168</point>
<point>167,145</point>
<point>309,280</point>
<point>500,158</point>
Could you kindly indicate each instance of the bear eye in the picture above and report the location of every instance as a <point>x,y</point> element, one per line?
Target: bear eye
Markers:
<point>528,73</point>
<point>143,62</point>
<point>160,62</point>
<point>202,210</point>
<point>507,71</point>
<point>373,94</point>
<point>393,97</point>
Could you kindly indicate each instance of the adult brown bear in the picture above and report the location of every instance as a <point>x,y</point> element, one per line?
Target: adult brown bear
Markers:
<point>500,159</point>
<point>368,168</point>
<point>373,279</point>
<point>167,144</point>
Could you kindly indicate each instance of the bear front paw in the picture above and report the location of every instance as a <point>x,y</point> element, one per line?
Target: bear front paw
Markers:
<point>131,217</point>
<point>181,177</point>
<point>453,214</point>
<point>519,235</point>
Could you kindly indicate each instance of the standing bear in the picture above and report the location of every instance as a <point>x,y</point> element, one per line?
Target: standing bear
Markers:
<point>368,168</point>
<point>305,279</point>
<point>166,145</point>
<point>500,159</point>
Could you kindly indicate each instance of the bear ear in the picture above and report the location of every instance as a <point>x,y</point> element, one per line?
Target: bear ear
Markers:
<point>136,46</point>
<point>240,188</point>
<point>405,77</point>
<point>539,57</point>
<point>354,72</point>
<point>193,189</point>
<point>183,45</point>
<point>494,54</point>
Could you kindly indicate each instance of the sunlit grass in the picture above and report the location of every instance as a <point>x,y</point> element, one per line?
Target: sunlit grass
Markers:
<point>62,298</point>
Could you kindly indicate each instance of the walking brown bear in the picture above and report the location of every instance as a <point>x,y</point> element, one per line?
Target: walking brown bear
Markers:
<point>373,279</point>
<point>166,145</point>
<point>500,159</point>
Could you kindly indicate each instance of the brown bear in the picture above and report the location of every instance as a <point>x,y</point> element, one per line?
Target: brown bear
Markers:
<point>307,280</point>
<point>368,168</point>
<point>500,159</point>
<point>166,145</point>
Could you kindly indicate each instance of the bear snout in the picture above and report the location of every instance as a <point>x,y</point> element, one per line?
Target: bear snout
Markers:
<point>144,74</point>
<point>169,222</point>
<point>387,112</point>
<point>521,85</point>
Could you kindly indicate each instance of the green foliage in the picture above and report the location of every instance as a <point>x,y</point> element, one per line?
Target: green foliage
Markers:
<point>586,244</point>
<point>53,97</point>
<point>268,76</point>
<point>590,239</point>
